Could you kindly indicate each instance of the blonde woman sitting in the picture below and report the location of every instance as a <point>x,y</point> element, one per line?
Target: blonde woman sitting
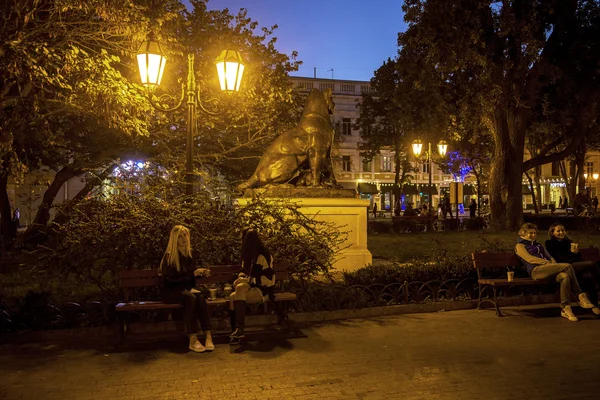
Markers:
<point>178,273</point>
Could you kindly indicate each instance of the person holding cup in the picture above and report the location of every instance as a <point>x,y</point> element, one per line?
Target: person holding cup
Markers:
<point>540,265</point>
<point>178,275</point>
<point>562,249</point>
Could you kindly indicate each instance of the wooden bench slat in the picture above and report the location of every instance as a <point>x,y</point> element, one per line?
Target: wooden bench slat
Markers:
<point>495,260</point>
<point>134,283</point>
<point>138,273</point>
<point>146,305</point>
<point>514,282</point>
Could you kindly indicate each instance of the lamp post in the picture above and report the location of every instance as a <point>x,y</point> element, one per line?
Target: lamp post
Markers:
<point>151,63</point>
<point>417,146</point>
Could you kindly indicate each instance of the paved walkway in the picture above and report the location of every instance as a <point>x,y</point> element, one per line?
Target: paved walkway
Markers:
<point>470,354</point>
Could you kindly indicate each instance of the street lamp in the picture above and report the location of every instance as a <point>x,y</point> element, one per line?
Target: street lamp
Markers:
<point>151,63</point>
<point>442,148</point>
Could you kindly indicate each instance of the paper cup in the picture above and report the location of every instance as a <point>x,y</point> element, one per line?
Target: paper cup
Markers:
<point>510,276</point>
<point>574,247</point>
<point>213,294</point>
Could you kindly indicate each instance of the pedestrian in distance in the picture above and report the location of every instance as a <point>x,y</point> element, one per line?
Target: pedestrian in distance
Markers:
<point>255,283</point>
<point>397,208</point>
<point>178,274</point>
<point>472,208</point>
<point>560,202</point>
<point>595,204</point>
<point>563,250</point>
<point>17,217</point>
<point>447,207</point>
<point>374,210</point>
<point>540,265</point>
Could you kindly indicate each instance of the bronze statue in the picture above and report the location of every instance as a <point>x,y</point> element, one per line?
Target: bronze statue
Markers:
<point>300,156</point>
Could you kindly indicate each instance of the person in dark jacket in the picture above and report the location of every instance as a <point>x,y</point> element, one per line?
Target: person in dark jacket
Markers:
<point>178,274</point>
<point>255,283</point>
<point>472,208</point>
<point>541,265</point>
<point>559,247</point>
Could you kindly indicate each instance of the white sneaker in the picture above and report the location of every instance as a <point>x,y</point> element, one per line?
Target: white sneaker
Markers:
<point>567,313</point>
<point>596,311</point>
<point>584,302</point>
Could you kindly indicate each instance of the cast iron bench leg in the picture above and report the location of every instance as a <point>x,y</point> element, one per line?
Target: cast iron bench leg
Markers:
<point>498,313</point>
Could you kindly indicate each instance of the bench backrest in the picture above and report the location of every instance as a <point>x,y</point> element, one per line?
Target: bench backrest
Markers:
<point>218,273</point>
<point>494,261</point>
<point>590,254</point>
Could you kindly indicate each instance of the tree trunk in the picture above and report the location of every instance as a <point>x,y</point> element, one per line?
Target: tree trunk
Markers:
<point>478,183</point>
<point>536,210</point>
<point>43,214</point>
<point>506,173</point>
<point>92,183</point>
<point>5,213</point>
<point>538,188</point>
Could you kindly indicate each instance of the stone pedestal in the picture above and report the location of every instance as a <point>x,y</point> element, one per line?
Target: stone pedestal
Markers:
<point>338,206</point>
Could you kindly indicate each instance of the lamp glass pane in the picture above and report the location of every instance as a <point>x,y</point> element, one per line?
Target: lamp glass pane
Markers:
<point>442,148</point>
<point>151,68</point>
<point>239,77</point>
<point>221,73</point>
<point>417,148</point>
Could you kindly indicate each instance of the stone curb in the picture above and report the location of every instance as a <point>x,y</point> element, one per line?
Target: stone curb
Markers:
<point>264,320</point>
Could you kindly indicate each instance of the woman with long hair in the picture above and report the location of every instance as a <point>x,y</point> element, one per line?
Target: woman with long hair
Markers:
<point>255,283</point>
<point>559,247</point>
<point>178,273</point>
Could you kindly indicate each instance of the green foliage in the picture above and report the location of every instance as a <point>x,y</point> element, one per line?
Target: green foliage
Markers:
<point>473,224</point>
<point>438,266</point>
<point>100,237</point>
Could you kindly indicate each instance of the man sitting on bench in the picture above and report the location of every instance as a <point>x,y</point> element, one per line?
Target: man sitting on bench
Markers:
<point>540,265</point>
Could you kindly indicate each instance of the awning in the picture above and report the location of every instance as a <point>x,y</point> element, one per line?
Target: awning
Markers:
<point>424,188</point>
<point>367,188</point>
<point>410,189</point>
<point>526,190</point>
<point>469,190</point>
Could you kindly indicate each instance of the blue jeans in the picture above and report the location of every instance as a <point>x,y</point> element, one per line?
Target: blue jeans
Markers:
<point>564,274</point>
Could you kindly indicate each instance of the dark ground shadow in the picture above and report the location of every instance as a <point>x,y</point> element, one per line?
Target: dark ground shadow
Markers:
<point>140,348</point>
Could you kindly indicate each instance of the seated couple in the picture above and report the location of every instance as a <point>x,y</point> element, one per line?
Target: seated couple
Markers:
<point>178,270</point>
<point>560,263</point>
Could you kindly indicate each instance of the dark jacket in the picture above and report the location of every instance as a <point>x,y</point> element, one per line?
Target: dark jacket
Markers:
<point>174,282</point>
<point>560,250</point>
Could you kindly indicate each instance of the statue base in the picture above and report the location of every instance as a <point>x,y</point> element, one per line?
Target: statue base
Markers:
<point>345,210</point>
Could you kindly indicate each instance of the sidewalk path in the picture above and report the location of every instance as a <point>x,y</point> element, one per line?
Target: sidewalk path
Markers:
<point>530,354</point>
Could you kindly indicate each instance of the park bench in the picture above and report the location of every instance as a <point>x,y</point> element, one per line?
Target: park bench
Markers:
<point>135,284</point>
<point>492,271</point>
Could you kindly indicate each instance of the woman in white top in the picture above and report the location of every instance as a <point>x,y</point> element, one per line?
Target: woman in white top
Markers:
<point>255,283</point>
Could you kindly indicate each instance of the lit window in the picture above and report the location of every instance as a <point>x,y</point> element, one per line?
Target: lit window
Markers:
<point>386,164</point>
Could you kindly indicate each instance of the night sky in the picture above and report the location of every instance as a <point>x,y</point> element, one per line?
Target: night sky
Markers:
<point>352,37</point>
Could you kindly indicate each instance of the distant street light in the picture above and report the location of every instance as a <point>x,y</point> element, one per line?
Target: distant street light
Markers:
<point>151,63</point>
<point>442,148</point>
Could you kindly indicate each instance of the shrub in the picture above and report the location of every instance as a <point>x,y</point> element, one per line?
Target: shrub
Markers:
<point>100,237</point>
<point>473,224</point>
<point>379,227</point>
<point>439,266</point>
